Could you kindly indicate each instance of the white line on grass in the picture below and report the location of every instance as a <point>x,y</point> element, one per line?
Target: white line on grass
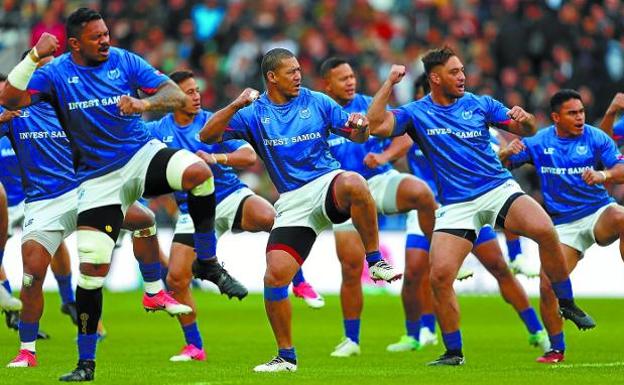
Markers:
<point>588,365</point>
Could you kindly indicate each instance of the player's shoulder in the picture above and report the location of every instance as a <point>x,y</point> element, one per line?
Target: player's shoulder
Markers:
<point>596,132</point>
<point>542,136</point>
<point>481,100</point>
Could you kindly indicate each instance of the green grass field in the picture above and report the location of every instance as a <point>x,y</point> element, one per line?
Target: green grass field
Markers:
<point>237,337</point>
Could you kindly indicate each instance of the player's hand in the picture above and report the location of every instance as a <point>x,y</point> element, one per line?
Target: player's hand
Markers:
<point>372,160</point>
<point>593,177</point>
<point>617,104</point>
<point>248,96</point>
<point>7,115</point>
<point>515,147</point>
<point>46,45</point>
<point>518,114</point>
<point>397,72</point>
<point>207,157</point>
<point>357,121</point>
<point>129,105</point>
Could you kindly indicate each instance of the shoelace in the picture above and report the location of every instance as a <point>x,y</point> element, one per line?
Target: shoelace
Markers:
<point>275,361</point>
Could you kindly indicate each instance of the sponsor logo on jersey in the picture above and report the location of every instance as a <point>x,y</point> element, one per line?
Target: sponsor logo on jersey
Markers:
<point>265,120</point>
<point>73,80</point>
<point>24,114</point>
<point>549,150</point>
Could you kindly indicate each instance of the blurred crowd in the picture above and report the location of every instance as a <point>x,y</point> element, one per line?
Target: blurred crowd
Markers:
<point>519,51</point>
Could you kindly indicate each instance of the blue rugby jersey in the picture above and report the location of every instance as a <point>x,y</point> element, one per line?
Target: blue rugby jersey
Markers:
<point>456,141</point>
<point>291,138</point>
<point>9,171</point>
<point>560,162</point>
<point>86,99</point>
<point>43,152</point>
<point>350,154</point>
<point>187,137</point>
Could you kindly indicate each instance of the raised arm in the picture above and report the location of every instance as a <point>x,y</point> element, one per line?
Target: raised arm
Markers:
<point>14,94</point>
<point>243,157</point>
<point>513,148</point>
<point>381,121</point>
<point>522,123</point>
<point>218,122</point>
<point>397,148</point>
<point>617,104</point>
<point>168,97</point>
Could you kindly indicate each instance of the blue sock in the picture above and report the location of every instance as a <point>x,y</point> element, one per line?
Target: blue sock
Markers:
<point>288,354</point>
<point>428,321</point>
<point>86,346</point>
<point>452,341</point>
<point>28,331</point>
<point>563,289</point>
<point>163,275</point>
<point>298,278</point>
<point>352,329</point>
<point>7,286</point>
<point>373,257</point>
<point>557,342</point>
<point>205,245</point>
<point>65,288</point>
<point>150,271</point>
<point>1,256</point>
<point>413,328</point>
<point>529,317</point>
<point>192,336</point>
<point>513,249</point>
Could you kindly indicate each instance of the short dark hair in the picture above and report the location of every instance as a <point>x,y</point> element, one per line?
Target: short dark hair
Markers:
<point>422,82</point>
<point>272,59</point>
<point>3,77</point>
<point>331,63</point>
<point>180,76</point>
<point>563,96</point>
<point>436,57</point>
<point>78,19</point>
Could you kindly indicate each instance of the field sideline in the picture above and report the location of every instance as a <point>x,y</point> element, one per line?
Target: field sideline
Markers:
<point>237,337</point>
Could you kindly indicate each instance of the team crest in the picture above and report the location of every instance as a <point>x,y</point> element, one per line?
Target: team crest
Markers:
<point>114,74</point>
<point>466,115</point>
<point>581,150</point>
<point>305,113</point>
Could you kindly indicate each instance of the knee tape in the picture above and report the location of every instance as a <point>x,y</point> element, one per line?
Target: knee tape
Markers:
<point>90,283</point>
<point>144,233</point>
<point>275,293</point>
<point>176,166</point>
<point>204,189</point>
<point>94,247</point>
<point>486,234</point>
<point>415,241</point>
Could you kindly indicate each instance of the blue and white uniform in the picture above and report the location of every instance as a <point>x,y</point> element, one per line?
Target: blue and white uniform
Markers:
<point>230,191</point>
<point>292,140</point>
<point>560,162</point>
<point>45,164</point>
<point>111,151</point>
<point>12,182</point>
<point>471,182</point>
<point>383,181</point>
<point>618,132</point>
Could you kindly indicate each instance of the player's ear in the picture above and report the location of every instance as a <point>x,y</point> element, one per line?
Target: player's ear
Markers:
<point>555,117</point>
<point>74,44</point>
<point>434,77</point>
<point>271,77</point>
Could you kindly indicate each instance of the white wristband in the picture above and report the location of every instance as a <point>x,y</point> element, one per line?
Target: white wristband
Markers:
<point>20,75</point>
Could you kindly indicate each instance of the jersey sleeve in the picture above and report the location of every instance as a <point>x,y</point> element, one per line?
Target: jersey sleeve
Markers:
<point>608,151</point>
<point>40,85</point>
<point>233,145</point>
<point>495,112</point>
<point>402,121</point>
<point>143,76</point>
<point>336,116</point>
<point>521,158</point>
<point>238,127</point>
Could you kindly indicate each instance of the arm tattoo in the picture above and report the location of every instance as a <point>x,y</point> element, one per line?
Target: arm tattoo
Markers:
<point>167,98</point>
